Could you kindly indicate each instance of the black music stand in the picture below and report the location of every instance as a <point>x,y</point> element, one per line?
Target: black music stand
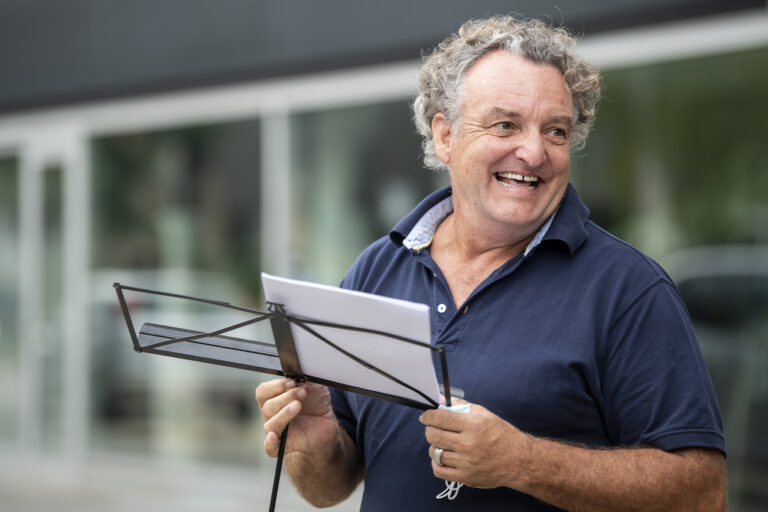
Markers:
<point>278,359</point>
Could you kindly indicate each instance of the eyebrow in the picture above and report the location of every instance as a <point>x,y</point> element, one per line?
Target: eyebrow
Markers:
<point>567,120</point>
<point>498,111</point>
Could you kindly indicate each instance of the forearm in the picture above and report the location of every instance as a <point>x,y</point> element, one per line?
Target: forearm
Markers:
<point>328,477</point>
<point>645,479</point>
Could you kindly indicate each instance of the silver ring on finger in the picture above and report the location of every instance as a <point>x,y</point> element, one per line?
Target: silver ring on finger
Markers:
<point>438,456</point>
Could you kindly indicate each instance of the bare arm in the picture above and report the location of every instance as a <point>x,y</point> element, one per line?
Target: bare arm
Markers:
<point>320,458</point>
<point>645,479</point>
<point>482,450</point>
<point>326,478</point>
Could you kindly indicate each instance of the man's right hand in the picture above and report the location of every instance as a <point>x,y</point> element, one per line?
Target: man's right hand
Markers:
<point>306,406</point>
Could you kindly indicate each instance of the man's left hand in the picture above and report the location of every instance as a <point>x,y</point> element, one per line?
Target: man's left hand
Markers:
<point>479,448</point>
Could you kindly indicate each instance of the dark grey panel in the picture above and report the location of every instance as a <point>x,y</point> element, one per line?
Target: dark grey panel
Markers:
<point>55,51</point>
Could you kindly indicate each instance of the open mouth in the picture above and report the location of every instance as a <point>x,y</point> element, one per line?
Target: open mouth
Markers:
<point>511,179</point>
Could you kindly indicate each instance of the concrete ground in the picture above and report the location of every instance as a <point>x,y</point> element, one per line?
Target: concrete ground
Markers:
<point>109,484</point>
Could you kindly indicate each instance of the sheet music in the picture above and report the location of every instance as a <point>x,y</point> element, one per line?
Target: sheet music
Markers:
<point>408,362</point>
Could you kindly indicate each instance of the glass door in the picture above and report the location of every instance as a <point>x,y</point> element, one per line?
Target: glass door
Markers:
<point>9,300</point>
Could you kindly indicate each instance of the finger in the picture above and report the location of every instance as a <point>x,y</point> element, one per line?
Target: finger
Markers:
<point>442,438</point>
<point>276,424</point>
<point>275,403</point>
<point>272,444</point>
<point>444,419</point>
<point>432,449</point>
<point>272,388</point>
<point>445,458</point>
<point>447,473</point>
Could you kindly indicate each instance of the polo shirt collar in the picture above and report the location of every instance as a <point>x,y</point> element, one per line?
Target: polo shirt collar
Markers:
<point>566,225</point>
<point>570,226</point>
<point>406,226</point>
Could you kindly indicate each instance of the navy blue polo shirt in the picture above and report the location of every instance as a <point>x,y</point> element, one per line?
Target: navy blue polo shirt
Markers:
<point>580,338</point>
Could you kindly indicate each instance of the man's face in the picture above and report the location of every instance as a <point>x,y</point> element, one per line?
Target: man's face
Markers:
<point>509,153</point>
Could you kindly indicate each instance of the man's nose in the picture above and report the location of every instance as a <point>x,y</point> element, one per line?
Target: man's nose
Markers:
<point>530,148</point>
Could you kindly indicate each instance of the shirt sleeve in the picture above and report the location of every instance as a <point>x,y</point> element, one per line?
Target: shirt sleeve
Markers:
<point>657,390</point>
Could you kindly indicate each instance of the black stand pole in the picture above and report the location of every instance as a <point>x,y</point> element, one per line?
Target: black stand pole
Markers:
<point>278,468</point>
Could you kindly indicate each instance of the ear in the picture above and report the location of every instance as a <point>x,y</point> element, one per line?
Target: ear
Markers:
<point>441,137</point>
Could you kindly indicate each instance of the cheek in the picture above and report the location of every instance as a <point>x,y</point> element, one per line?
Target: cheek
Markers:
<point>561,161</point>
<point>492,151</point>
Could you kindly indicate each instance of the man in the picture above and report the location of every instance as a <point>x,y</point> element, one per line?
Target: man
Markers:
<point>586,386</point>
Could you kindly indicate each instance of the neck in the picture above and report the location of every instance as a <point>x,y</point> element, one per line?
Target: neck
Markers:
<point>468,242</point>
<point>467,256</point>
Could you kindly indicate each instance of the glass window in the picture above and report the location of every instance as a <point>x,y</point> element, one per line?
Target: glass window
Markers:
<point>357,172</point>
<point>9,300</point>
<point>174,210</point>
<point>677,166</point>
<point>678,154</point>
<point>51,354</point>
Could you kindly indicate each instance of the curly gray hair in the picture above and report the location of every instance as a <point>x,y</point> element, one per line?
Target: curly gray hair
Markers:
<point>444,69</point>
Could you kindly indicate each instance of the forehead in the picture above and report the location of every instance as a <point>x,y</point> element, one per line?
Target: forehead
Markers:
<point>506,80</point>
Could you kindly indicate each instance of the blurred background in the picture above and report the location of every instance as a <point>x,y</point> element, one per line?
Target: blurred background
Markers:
<point>188,145</point>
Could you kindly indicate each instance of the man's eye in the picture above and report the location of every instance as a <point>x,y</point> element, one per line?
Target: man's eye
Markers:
<point>560,133</point>
<point>503,127</point>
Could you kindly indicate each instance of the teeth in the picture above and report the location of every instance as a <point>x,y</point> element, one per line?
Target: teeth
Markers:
<point>518,177</point>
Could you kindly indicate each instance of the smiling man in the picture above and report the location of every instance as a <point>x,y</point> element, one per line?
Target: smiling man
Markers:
<point>585,384</point>
<point>509,159</point>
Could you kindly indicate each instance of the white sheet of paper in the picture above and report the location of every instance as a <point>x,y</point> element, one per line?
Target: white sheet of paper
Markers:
<point>408,362</point>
